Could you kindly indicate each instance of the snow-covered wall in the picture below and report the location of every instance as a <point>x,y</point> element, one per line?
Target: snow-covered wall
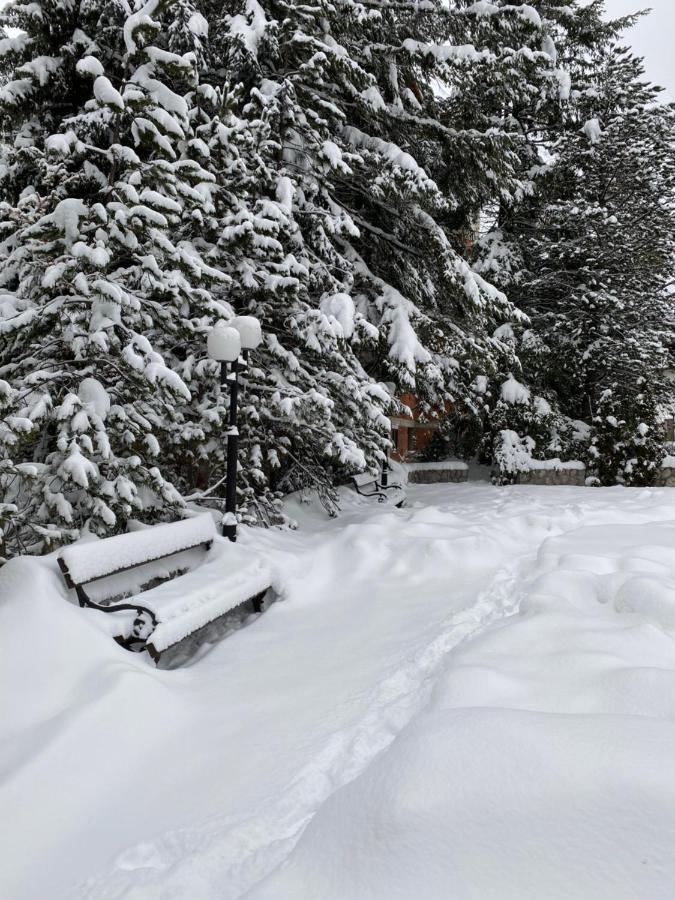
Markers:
<point>437,472</point>
<point>665,477</point>
<point>543,472</point>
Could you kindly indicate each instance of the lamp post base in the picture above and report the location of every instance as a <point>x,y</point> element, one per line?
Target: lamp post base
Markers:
<point>229,524</point>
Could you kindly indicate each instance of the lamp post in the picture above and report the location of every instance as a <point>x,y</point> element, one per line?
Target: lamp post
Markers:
<point>224,344</point>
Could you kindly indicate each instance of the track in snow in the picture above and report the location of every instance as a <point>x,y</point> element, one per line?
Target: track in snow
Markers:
<point>474,551</point>
<point>227,859</point>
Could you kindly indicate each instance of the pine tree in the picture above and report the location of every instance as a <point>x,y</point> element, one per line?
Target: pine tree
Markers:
<point>625,450</point>
<point>101,289</point>
<point>323,168</point>
<point>588,257</point>
<point>358,145</point>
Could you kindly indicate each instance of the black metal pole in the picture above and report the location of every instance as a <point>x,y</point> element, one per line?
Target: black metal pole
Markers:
<point>230,520</point>
<point>385,474</point>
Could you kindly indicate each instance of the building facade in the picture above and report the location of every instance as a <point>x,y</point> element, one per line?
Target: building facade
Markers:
<point>409,434</point>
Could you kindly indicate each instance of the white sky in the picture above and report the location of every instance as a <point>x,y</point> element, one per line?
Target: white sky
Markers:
<point>653,38</point>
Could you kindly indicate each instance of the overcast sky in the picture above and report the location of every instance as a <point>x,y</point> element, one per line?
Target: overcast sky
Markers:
<point>653,38</point>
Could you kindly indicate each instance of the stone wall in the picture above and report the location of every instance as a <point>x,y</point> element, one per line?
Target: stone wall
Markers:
<point>437,475</point>
<point>575,477</point>
<point>665,477</point>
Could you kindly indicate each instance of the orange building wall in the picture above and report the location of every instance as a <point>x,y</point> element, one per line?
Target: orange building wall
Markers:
<point>411,435</point>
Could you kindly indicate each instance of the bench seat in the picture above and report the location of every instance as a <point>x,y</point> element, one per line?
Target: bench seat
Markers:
<point>229,577</point>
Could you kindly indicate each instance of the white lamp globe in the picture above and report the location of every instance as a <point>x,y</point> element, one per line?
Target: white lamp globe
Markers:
<point>223,343</point>
<point>249,330</point>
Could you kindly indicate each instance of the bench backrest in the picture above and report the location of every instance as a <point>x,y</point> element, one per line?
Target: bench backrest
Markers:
<point>83,563</point>
<point>364,479</point>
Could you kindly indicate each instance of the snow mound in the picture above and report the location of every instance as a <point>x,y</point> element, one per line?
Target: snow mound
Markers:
<point>459,698</point>
<point>543,757</point>
<point>455,809</point>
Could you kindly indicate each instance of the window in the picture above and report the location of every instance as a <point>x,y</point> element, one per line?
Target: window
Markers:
<point>412,440</point>
<point>394,437</point>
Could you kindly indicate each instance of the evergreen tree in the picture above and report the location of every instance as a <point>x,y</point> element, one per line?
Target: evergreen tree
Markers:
<point>101,289</point>
<point>588,257</point>
<point>323,168</point>
<point>359,144</point>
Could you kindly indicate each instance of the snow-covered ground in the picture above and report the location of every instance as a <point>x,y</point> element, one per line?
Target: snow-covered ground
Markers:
<point>471,697</point>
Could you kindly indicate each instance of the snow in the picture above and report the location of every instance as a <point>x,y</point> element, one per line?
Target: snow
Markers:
<point>454,464</point>
<point>229,577</point>
<point>542,406</point>
<point>373,98</point>
<point>564,84</point>
<point>67,215</point>
<point>89,65</point>
<point>77,468</point>
<point>483,8</point>
<point>198,25</point>
<point>405,345</point>
<point>86,562</point>
<point>141,18</point>
<point>95,397</point>
<point>592,130</point>
<point>480,384</point>
<point>530,14</point>
<point>40,68</point>
<point>455,699</point>
<point>556,464</point>
<point>549,48</point>
<point>514,392</point>
<point>341,311</point>
<point>285,193</point>
<point>332,153</point>
<point>61,143</point>
<point>582,431</point>
<point>391,152</point>
<point>504,333</point>
<point>446,52</point>
<point>512,452</point>
<point>249,26</point>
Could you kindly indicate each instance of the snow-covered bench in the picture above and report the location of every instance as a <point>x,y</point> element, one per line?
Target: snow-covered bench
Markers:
<point>367,485</point>
<point>174,617</point>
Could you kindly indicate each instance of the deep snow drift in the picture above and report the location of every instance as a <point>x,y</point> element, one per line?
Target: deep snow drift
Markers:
<point>471,697</point>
